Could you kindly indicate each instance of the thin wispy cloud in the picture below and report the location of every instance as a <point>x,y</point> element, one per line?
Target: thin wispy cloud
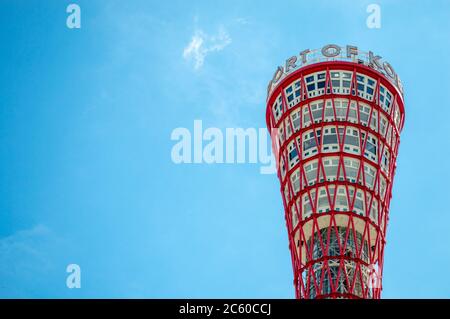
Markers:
<point>203,44</point>
<point>26,261</point>
<point>243,21</point>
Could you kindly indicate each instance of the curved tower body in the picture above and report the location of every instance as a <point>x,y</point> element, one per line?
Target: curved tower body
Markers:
<point>335,117</point>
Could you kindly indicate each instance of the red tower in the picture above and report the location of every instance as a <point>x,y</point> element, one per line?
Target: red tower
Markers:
<point>335,117</point>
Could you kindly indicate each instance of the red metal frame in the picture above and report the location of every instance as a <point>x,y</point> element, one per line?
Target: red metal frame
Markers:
<point>372,232</point>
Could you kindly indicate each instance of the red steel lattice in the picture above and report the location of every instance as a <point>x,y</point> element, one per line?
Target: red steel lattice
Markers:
<point>336,243</point>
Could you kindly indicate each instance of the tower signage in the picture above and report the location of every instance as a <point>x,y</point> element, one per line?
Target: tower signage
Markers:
<point>333,52</point>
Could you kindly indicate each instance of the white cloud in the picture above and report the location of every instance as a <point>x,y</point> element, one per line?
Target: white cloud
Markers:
<point>19,241</point>
<point>26,262</point>
<point>243,21</point>
<point>202,44</point>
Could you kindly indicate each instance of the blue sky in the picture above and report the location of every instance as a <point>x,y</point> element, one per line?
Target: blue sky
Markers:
<point>85,122</point>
